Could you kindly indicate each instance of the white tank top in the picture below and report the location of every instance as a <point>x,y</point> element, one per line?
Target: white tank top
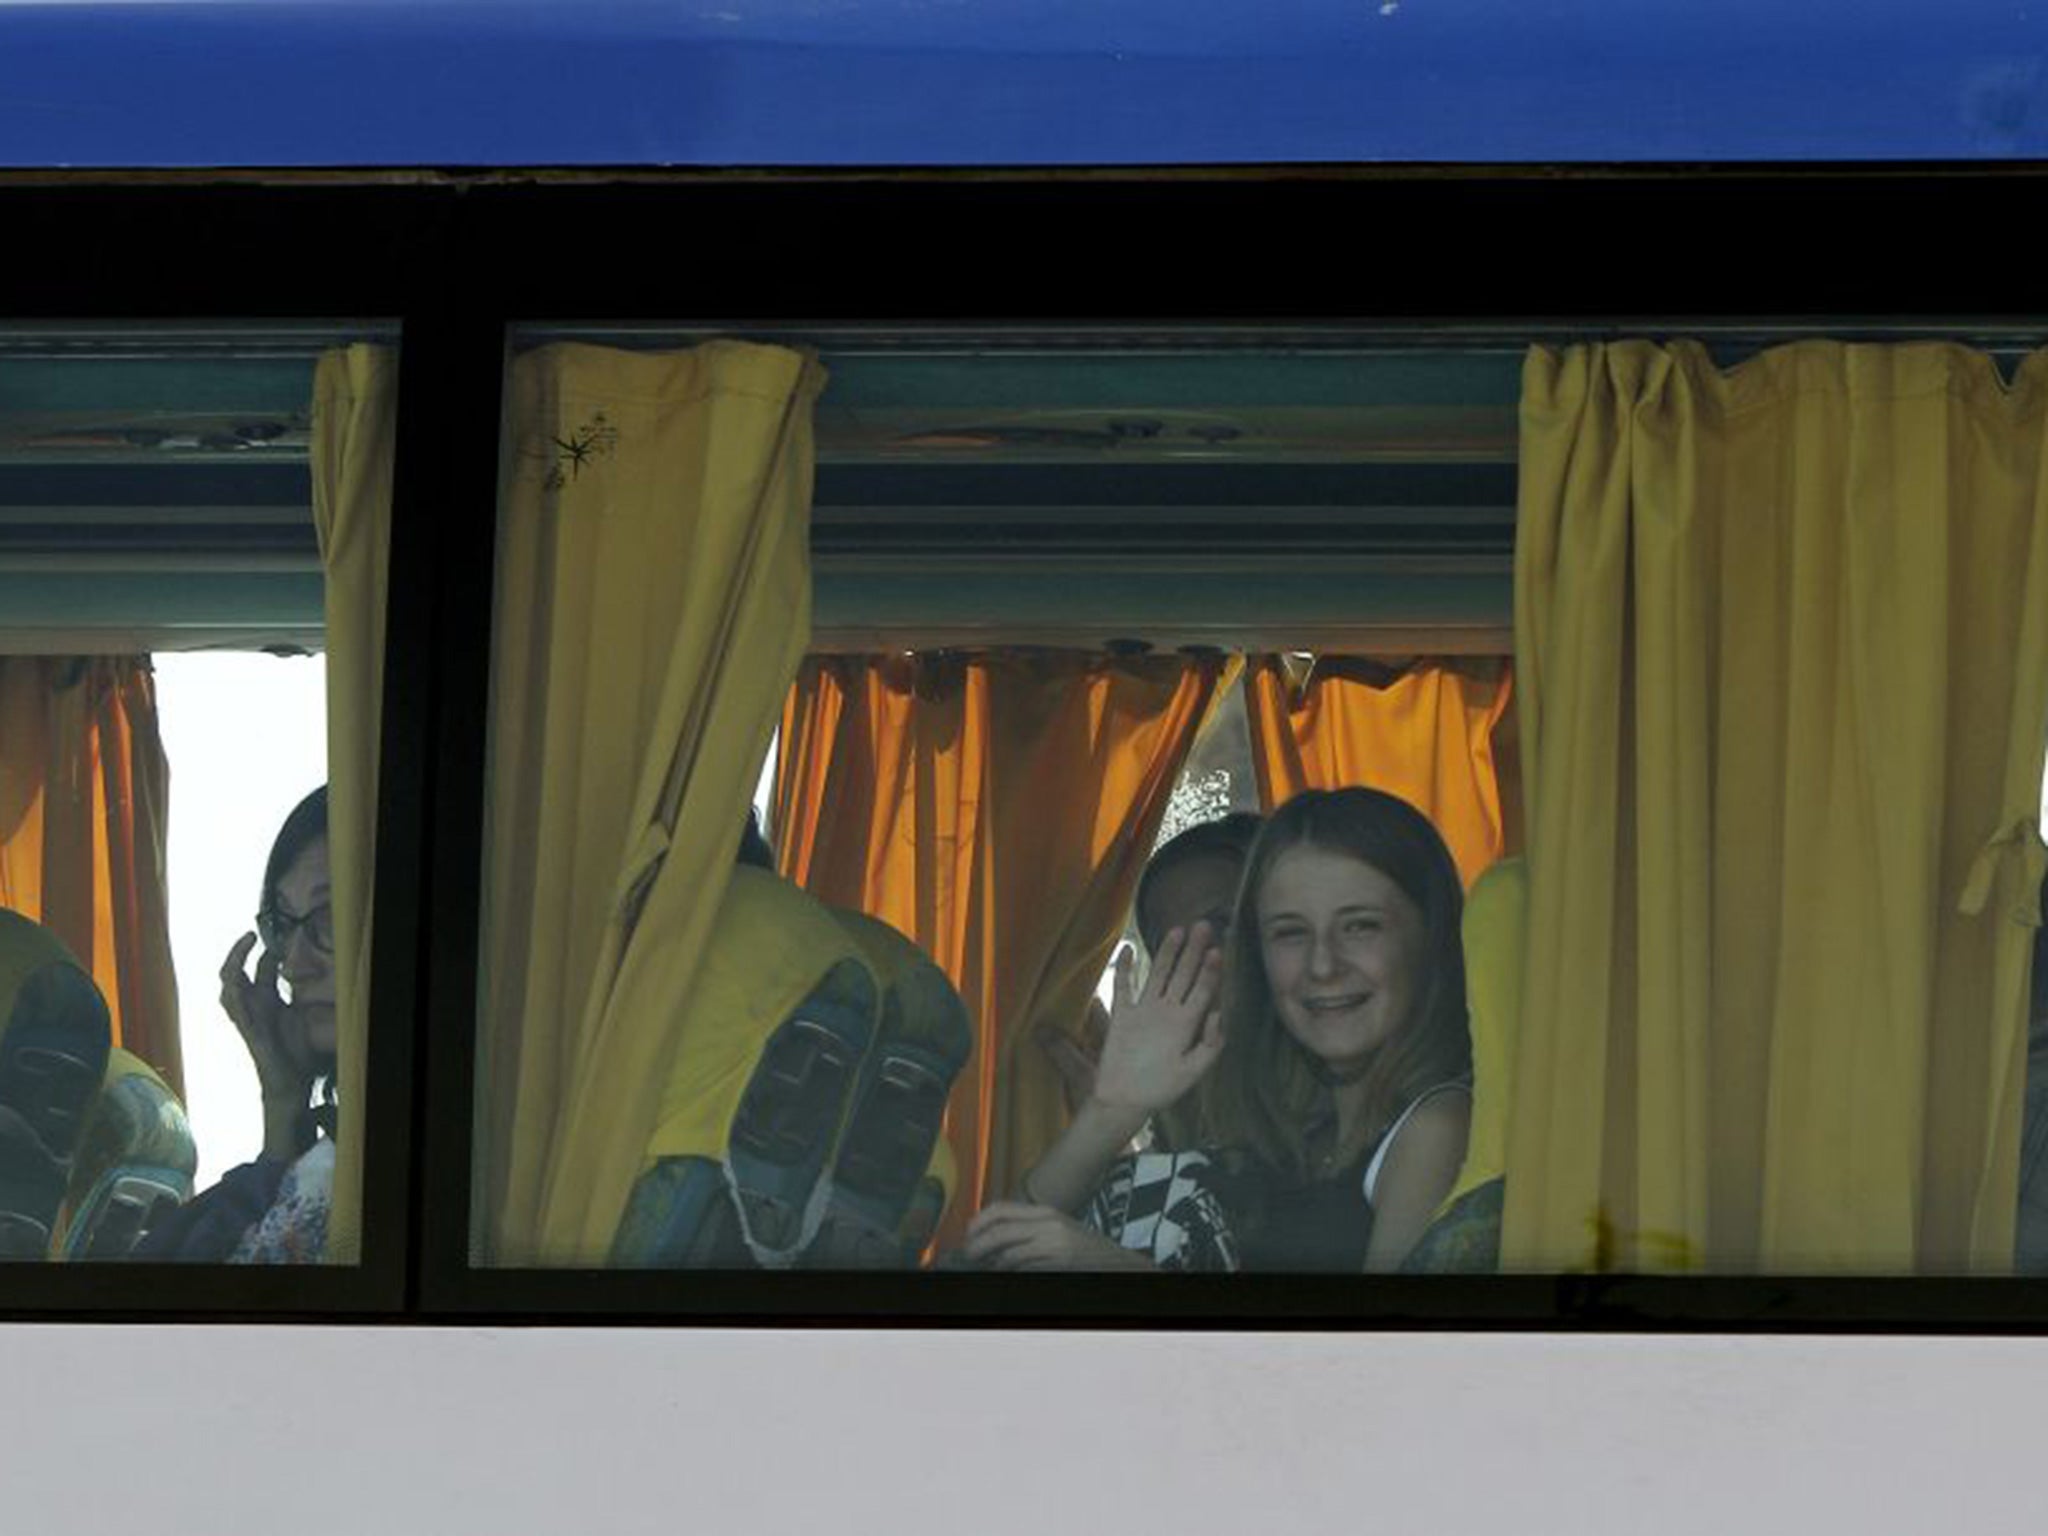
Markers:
<point>1379,1156</point>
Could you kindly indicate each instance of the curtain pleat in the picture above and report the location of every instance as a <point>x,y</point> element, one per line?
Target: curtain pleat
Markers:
<point>654,600</point>
<point>355,406</point>
<point>1782,637</point>
<point>1434,732</point>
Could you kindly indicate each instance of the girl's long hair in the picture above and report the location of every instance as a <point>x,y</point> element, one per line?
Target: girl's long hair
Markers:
<point>1263,1095</point>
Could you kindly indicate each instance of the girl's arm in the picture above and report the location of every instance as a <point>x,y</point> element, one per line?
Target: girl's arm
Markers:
<point>1074,1165</point>
<point>1422,1164</point>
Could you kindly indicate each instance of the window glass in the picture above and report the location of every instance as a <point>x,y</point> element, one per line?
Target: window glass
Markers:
<point>1002,802</point>
<point>185,896</point>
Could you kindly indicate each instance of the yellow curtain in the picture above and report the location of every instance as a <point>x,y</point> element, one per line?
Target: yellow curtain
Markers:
<point>1783,641</point>
<point>654,600</point>
<point>997,809</point>
<point>84,789</point>
<point>1437,733</point>
<point>355,403</point>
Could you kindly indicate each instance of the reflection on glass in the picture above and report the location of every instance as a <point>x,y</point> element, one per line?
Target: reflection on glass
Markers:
<point>1736,982</point>
<point>167,1090</point>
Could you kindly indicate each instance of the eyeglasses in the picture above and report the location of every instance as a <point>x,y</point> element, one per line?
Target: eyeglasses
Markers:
<point>276,928</point>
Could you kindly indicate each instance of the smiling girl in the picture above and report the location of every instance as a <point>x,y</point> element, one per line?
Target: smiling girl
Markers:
<point>1325,1060</point>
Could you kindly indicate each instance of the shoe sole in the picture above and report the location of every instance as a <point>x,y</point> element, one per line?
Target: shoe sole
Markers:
<point>790,1114</point>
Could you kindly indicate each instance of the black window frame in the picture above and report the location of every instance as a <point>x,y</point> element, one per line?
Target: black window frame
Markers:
<point>459,257</point>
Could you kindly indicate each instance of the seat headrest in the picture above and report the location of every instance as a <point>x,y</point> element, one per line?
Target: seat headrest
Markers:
<point>1495,940</point>
<point>770,947</point>
<point>26,947</point>
<point>930,1008</point>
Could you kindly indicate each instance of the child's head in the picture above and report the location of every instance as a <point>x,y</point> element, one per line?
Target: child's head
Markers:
<point>1343,967</point>
<point>1193,878</point>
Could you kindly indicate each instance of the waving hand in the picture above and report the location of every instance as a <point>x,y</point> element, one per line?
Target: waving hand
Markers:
<point>1164,1035</point>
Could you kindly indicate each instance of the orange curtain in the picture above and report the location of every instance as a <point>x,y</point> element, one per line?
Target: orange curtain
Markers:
<point>83,793</point>
<point>997,809</point>
<point>1440,734</point>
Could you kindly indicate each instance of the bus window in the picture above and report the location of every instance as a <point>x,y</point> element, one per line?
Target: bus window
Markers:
<point>1177,851</point>
<point>179,839</point>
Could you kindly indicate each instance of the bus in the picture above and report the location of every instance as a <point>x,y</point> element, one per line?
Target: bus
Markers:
<point>1092,429</point>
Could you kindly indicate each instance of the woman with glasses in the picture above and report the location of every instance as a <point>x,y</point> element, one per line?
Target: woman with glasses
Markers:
<point>274,1210</point>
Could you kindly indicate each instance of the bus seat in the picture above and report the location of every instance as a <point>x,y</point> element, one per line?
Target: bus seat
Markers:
<point>1464,1236</point>
<point>680,1216</point>
<point>137,1155</point>
<point>802,1054</point>
<point>895,1173</point>
<point>769,1046</point>
<point>54,1038</point>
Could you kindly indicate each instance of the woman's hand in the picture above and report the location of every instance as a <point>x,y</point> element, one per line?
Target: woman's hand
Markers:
<point>276,1045</point>
<point>1011,1234</point>
<point>1163,1037</point>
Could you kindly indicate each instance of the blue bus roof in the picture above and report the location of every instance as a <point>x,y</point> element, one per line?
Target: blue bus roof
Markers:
<point>826,83</point>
